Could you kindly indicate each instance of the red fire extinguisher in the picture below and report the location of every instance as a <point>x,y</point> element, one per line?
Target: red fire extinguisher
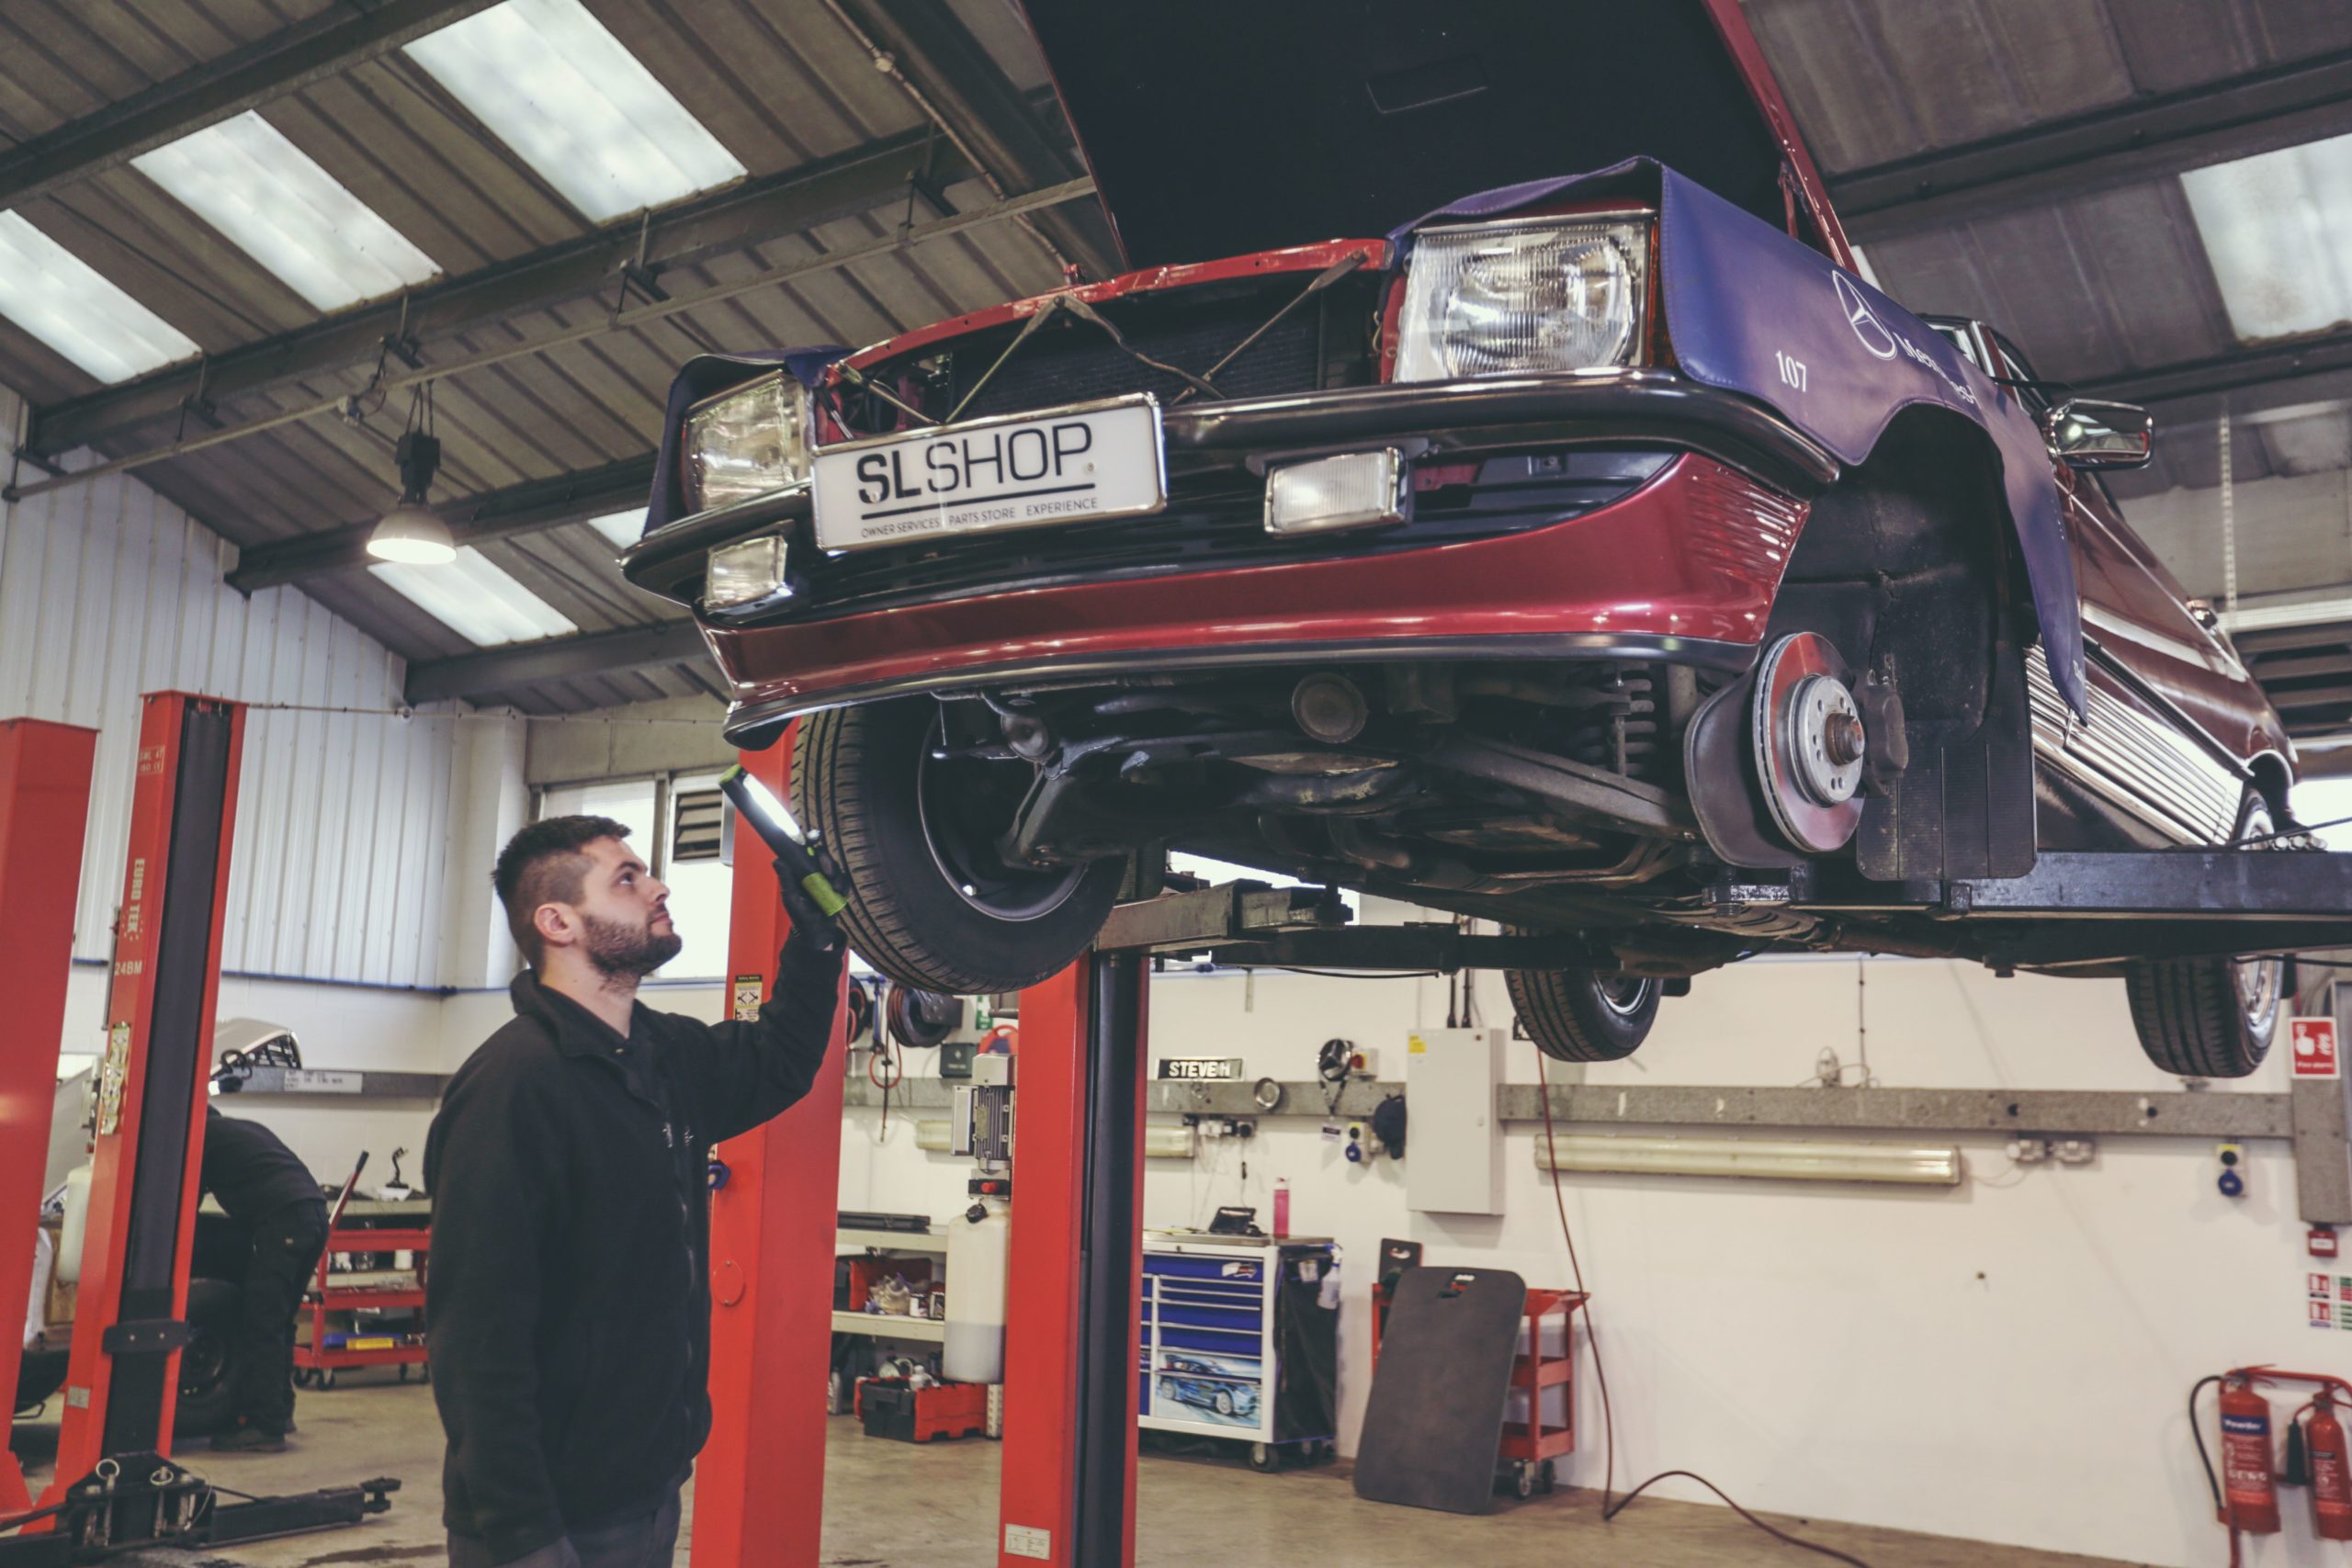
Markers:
<point>2249,1490</point>
<point>2331,1478</point>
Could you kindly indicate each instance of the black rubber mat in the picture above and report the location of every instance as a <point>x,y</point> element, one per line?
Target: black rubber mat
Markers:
<point>1435,1418</point>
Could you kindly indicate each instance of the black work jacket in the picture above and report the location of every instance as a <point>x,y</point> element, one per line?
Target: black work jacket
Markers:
<point>250,1172</point>
<point>567,1301</point>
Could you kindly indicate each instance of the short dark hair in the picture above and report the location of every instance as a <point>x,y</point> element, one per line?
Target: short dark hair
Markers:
<point>544,864</point>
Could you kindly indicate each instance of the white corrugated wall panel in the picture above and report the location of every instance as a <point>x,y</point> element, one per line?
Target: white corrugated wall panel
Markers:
<point>107,591</point>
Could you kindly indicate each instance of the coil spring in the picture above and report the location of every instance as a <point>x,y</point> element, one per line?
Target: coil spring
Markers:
<point>1622,734</point>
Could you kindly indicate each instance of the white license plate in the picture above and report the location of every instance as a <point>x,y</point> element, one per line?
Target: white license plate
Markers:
<point>1031,470</point>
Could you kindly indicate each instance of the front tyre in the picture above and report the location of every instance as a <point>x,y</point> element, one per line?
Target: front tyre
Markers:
<point>1584,1015</point>
<point>2210,1018</point>
<point>931,903</point>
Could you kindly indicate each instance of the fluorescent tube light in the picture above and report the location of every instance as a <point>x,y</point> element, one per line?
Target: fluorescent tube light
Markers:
<point>551,82</point>
<point>1780,1159</point>
<point>274,203</point>
<point>477,599</point>
<point>61,300</point>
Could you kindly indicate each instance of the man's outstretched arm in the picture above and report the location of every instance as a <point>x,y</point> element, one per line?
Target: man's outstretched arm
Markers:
<point>751,1071</point>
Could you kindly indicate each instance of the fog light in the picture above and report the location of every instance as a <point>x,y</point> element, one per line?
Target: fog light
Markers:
<point>744,573</point>
<point>1359,489</point>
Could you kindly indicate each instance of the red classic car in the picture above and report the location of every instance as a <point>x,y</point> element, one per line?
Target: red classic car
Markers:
<point>1583,554</point>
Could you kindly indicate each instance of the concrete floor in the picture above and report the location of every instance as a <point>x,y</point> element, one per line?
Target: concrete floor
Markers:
<point>901,1505</point>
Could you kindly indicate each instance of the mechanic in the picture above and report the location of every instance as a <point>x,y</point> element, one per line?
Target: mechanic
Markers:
<point>567,1305</point>
<point>269,1194</point>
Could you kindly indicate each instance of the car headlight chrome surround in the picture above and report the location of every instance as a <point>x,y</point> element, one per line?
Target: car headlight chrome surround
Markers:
<point>748,441</point>
<point>1530,294</point>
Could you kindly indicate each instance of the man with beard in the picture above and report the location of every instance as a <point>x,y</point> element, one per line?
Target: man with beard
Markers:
<point>568,1307</point>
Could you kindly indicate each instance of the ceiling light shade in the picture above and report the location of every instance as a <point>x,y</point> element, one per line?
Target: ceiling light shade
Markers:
<point>412,534</point>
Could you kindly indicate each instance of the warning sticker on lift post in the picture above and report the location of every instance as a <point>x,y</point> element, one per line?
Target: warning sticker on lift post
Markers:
<point>748,989</point>
<point>2315,1054</point>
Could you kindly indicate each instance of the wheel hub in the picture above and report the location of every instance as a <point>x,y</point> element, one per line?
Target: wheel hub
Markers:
<point>1809,742</point>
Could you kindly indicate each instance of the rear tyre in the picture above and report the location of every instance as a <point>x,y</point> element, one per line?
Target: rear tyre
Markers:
<point>931,903</point>
<point>2210,1018</point>
<point>209,1360</point>
<point>1584,1015</point>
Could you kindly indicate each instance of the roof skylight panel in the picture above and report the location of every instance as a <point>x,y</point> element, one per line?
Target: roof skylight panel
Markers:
<point>274,203</point>
<point>61,300</point>
<point>2277,228</point>
<point>622,529</point>
<point>553,84</point>
<point>476,598</point>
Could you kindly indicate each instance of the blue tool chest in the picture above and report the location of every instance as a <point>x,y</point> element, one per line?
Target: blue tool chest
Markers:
<point>1237,1340</point>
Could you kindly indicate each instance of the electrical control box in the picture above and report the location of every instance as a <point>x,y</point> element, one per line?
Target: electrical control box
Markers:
<point>1454,1145</point>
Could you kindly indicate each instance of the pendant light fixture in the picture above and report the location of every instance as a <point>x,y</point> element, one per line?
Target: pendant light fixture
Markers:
<point>413,531</point>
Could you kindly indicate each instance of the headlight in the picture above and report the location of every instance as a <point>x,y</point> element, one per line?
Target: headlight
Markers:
<point>745,443</point>
<point>1545,294</point>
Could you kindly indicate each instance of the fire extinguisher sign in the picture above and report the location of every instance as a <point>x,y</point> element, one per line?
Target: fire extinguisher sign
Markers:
<point>2315,1054</point>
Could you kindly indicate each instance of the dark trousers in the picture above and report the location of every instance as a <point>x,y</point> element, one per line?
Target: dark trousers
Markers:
<point>285,1256</point>
<point>648,1542</point>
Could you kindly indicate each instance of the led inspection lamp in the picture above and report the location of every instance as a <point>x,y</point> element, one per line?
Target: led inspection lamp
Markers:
<point>808,897</point>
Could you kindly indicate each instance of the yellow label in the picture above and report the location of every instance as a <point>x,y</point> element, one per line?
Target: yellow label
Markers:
<point>1416,1046</point>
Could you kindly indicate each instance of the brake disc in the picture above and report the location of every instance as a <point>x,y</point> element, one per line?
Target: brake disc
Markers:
<point>1808,742</point>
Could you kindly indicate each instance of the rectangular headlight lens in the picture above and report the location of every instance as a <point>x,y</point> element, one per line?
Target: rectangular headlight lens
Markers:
<point>744,573</point>
<point>745,443</point>
<point>1541,294</point>
<point>1357,489</point>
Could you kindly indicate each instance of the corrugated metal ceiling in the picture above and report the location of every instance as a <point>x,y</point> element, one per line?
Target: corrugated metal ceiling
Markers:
<point>2090,285</point>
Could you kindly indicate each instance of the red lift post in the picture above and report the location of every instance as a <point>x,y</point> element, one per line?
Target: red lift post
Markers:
<point>44,809</point>
<point>129,1323</point>
<point>760,1485</point>
<point>1072,1334</point>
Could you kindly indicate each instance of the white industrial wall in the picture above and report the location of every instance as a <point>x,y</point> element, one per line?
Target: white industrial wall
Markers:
<point>2004,1361</point>
<point>337,900</point>
<point>107,591</point>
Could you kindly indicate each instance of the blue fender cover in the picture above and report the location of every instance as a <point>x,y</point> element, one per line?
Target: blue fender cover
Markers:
<point>1752,311</point>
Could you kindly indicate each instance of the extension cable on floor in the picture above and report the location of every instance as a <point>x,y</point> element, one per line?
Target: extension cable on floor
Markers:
<point>1611,1505</point>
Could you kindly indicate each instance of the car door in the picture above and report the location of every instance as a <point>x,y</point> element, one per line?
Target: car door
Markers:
<point>2187,714</point>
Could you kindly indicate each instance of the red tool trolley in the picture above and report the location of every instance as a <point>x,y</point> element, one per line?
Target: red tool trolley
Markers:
<point>336,1338</point>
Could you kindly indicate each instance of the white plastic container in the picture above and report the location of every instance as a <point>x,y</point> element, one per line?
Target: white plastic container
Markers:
<point>979,1257</point>
<point>77,1225</point>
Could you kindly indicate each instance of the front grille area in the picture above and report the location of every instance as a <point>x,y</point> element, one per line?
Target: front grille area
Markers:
<point>1216,521</point>
<point>1326,342</point>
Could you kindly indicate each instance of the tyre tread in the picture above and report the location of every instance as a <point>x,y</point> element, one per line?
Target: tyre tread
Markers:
<point>1552,1003</point>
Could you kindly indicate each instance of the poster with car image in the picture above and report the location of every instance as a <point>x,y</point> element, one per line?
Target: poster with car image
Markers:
<point>1209,1388</point>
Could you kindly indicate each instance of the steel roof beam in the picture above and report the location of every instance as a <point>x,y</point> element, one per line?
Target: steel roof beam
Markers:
<point>2258,365</point>
<point>929,50</point>
<point>747,214</point>
<point>531,507</point>
<point>284,61</point>
<point>495,669</point>
<point>2137,139</point>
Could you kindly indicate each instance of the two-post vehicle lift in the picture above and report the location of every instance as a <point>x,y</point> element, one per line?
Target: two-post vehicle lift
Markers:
<point>1067,1495</point>
<point>115,1485</point>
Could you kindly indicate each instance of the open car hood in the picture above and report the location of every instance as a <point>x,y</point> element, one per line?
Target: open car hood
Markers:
<point>1220,128</point>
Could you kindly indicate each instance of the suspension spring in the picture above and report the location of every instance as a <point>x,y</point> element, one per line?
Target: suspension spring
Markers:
<point>1622,734</point>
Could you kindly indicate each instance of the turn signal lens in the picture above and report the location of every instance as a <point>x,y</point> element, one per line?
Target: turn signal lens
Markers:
<point>744,573</point>
<point>1357,489</point>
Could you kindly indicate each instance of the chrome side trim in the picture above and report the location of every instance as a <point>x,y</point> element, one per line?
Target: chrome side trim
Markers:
<point>2136,760</point>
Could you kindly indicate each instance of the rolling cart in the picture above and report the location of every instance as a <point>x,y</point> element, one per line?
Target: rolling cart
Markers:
<point>336,1341</point>
<point>1236,1343</point>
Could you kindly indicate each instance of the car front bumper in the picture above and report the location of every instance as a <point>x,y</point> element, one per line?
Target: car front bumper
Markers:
<point>1683,567</point>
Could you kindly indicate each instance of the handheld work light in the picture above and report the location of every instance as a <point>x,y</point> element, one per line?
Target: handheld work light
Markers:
<point>808,897</point>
